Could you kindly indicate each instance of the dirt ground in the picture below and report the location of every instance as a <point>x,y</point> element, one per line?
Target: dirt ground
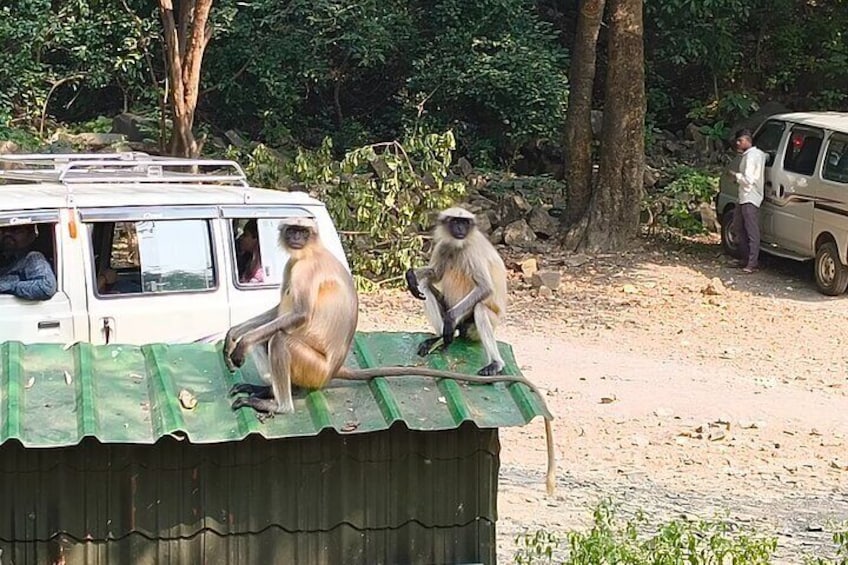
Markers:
<point>674,395</point>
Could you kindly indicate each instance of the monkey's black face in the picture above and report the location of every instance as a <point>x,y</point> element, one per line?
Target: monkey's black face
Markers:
<point>297,236</point>
<point>459,228</point>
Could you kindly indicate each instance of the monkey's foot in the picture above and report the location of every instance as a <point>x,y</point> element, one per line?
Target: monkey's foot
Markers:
<point>259,391</point>
<point>427,345</point>
<point>493,368</point>
<point>264,407</point>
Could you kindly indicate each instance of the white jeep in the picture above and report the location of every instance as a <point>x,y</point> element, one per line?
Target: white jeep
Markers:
<point>145,248</point>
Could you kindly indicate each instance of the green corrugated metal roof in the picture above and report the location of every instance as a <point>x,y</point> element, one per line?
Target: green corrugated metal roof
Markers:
<point>54,396</point>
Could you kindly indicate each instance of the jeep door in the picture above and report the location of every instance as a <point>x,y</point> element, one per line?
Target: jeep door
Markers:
<point>768,138</point>
<point>153,274</point>
<point>792,190</point>
<point>51,320</point>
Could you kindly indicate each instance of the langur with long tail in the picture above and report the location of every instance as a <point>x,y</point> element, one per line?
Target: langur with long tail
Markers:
<point>463,288</point>
<point>305,339</point>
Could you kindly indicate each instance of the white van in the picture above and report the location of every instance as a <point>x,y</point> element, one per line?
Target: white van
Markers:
<point>144,248</point>
<point>804,214</point>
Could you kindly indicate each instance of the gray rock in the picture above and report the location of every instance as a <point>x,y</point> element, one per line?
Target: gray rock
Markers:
<point>650,177</point>
<point>512,207</point>
<point>97,140</point>
<point>550,279</point>
<point>542,224</point>
<point>483,223</point>
<point>234,138</point>
<point>518,234</point>
<point>129,125</point>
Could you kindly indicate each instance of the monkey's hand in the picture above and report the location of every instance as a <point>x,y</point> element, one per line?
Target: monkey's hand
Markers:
<point>230,345</point>
<point>238,354</point>
<point>412,285</point>
<point>449,328</point>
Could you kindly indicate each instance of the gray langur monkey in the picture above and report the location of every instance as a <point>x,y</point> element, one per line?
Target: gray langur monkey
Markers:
<point>463,287</point>
<point>305,339</point>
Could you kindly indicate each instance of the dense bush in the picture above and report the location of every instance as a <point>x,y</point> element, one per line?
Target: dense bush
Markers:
<point>378,195</point>
<point>493,71</point>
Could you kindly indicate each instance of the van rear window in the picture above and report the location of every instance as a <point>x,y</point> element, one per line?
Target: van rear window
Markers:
<point>836,159</point>
<point>803,149</point>
<point>768,139</point>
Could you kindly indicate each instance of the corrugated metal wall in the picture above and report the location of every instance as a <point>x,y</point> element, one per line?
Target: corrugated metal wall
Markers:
<point>396,496</point>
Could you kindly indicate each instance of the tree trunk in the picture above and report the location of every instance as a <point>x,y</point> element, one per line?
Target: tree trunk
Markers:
<point>613,214</point>
<point>185,42</point>
<point>578,124</point>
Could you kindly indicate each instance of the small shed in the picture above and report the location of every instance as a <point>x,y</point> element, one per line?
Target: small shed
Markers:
<point>100,462</point>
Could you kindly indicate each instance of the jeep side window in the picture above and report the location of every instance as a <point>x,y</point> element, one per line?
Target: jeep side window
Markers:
<point>153,256</point>
<point>802,150</point>
<point>16,258</point>
<point>836,163</point>
<point>768,139</point>
<point>259,259</point>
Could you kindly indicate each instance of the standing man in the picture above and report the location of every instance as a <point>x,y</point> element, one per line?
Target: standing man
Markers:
<point>746,220</point>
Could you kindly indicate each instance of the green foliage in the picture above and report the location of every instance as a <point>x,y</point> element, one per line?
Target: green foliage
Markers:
<point>491,63</point>
<point>676,203</point>
<point>636,542</point>
<point>378,196</point>
<point>263,166</point>
<point>492,71</point>
<point>54,51</point>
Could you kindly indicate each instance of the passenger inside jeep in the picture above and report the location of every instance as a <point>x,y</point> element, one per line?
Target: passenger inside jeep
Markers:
<point>248,253</point>
<point>115,259</point>
<point>27,255</point>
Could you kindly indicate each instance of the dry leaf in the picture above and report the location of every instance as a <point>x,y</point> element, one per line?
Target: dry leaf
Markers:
<point>350,426</point>
<point>30,382</point>
<point>68,378</point>
<point>608,399</point>
<point>187,399</point>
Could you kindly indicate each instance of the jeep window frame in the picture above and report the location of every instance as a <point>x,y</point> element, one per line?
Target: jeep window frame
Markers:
<point>795,127</point>
<point>112,215</point>
<point>842,138</point>
<point>256,212</point>
<point>764,130</point>
<point>43,217</point>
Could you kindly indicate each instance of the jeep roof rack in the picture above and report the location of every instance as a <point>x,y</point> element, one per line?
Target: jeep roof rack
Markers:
<point>119,168</point>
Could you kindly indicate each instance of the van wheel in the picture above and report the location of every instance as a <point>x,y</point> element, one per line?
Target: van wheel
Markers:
<point>728,238</point>
<point>831,274</point>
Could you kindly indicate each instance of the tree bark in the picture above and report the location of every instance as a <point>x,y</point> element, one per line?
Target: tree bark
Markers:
<point>185,43</point>
<point>578,123</point>
<point>613,214</point>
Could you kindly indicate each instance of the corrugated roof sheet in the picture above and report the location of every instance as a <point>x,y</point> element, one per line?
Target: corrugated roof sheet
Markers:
<point>53,396</point>
<point>395,496</point>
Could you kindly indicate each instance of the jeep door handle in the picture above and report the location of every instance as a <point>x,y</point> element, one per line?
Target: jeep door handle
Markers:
<point>107,329</point>
<point>49,324</point>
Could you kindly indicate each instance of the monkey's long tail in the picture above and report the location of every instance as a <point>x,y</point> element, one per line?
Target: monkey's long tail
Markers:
<point>401,371</point>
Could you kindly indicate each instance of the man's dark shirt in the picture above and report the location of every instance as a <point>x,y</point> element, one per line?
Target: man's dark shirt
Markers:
<point>28,277</point>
